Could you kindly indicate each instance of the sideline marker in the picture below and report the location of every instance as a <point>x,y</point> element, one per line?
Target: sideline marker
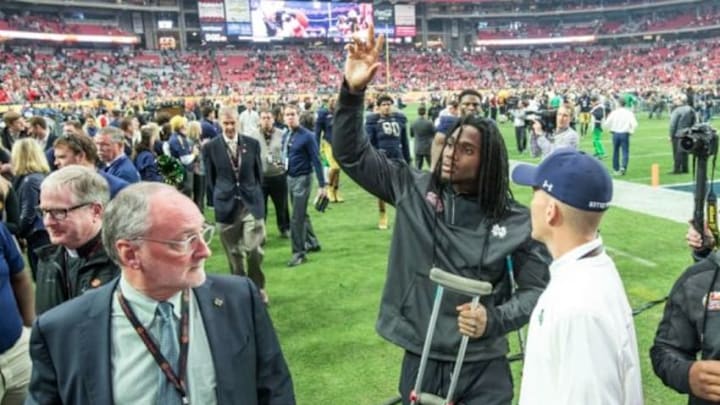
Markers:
<point>655,175</point>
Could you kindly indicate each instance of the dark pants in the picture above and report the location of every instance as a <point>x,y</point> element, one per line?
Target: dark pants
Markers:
<point>521,139</point>
<point>187,185</point>
<point>199,188</point>
<point>419,160</point>
<point>680,157</point>
<point>208,194</point>
<point>301,230</point>
<point>621,144</point>
<point>34,241</point>
<point>242,242</point>
<point>276,187</point>
<point>480,383</point>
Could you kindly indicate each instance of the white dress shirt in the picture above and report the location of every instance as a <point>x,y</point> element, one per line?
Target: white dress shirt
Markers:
<point>621,120</point>
<point>581,346</point>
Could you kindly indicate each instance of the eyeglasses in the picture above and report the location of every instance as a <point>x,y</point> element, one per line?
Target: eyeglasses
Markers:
<point>59,214</point>
<point>185,246</point>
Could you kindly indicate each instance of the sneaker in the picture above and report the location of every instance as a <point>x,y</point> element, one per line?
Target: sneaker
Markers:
<point>622,172</point>
<point>297,260</point>
<point>383,223</point>
<point>285,234</point>
<point>264,297</point>
<point>338,197</point>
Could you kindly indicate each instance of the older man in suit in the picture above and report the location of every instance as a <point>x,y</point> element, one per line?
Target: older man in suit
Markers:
<point>164,332</point>
<point>234,168</point>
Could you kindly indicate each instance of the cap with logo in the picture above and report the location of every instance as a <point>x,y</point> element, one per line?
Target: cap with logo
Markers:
<point>570,176</point>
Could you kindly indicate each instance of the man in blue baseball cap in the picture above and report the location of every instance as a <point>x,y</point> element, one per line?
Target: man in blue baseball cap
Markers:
<point>581,338</point>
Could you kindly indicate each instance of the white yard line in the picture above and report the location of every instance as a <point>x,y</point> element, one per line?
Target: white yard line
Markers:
<point>639,260</point>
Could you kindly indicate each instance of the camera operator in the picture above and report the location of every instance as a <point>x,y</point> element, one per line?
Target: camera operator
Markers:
<point>563,136</point>
<point>681,118</point>
<point>691,321</point>
<point>518,114</point>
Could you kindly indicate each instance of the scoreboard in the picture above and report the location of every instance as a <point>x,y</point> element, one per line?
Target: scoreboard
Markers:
<point>273,20</point>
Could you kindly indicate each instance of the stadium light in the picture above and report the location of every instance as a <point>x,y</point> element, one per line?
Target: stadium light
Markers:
<point>38,36</point>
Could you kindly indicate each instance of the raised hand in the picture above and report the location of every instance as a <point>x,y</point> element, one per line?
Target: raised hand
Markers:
<point>362,59</point>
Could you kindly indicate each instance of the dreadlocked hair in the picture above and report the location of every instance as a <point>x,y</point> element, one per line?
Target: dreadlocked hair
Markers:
<point>494,195</point>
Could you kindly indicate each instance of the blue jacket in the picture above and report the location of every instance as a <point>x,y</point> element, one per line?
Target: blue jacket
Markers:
<point>301,154</point>
<point>209,129</point>
<point>146,165</point>
<point>122,167</point>
<point>389,134</point>
<point>323,125</point>
<point>179,147</point>
<point>445,123</point>
<point>11,322</point>
<point>28,192</point>
<point>114,183</point>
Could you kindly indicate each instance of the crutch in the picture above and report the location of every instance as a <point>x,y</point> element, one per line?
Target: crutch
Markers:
<point>461,285</point>
<point>513,290</point>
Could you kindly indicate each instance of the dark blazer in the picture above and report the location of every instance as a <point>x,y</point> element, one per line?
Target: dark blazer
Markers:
<point>28,193</point>
<point>50,141</point>
<point>124,168</point>
<point>227,193</point>
<point>71,348</point>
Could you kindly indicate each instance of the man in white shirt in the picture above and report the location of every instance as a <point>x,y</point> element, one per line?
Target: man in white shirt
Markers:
<point>621,123</point>
<point>581,346</point>
<point>250,120</point>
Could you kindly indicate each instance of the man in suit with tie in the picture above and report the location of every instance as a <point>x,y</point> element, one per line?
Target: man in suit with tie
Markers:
<point>234,169</point>
<point>164,333</point>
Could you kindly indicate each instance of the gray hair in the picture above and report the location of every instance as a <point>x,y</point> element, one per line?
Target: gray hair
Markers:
<point>230,110</point>
<point>84,185</point>
<point>115,134</point>
<point>128,215</point>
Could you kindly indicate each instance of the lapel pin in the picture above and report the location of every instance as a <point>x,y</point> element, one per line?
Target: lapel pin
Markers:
<point>218,302</point>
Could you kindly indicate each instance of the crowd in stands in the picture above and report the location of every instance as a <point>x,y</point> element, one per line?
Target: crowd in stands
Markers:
<point>54,24</point>
<point>46,75</point>
<point>501,7</point>
<point>662,22</point>
<point>30,75</point>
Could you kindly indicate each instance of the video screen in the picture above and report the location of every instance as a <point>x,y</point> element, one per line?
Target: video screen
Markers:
<point>276,20</point>
<point>346,18</point>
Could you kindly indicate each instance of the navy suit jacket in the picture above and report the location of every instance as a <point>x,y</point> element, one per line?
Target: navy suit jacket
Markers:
<point>228,195</point>
<point>124,168</point>
<point>70,348</point>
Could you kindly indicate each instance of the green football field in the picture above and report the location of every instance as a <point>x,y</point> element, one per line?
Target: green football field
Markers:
<point>324,311</point>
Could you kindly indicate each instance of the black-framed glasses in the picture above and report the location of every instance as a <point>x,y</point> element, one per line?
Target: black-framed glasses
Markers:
<point>59,214</point>
<point>186,245</point>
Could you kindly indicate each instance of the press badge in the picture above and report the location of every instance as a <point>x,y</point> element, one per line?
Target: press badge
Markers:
<point>714,303</point>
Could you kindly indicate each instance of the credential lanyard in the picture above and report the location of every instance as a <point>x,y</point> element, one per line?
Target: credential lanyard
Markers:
<point>177,381</point>
<point>235,161</point>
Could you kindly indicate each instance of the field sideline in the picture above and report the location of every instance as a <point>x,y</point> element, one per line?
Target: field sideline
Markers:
<point>324,311</point>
